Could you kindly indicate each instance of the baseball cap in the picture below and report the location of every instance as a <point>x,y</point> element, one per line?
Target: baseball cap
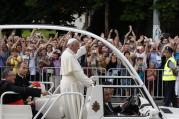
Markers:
<point>169,49</point>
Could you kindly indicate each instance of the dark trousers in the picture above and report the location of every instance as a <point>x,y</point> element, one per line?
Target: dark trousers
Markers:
<point>34,112</point>
<point>169,93</point>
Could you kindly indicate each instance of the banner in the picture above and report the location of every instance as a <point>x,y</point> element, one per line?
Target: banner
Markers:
<point>156,33</point>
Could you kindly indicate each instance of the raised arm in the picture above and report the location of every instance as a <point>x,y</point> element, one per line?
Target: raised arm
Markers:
<point>60,41</point>
<point>66,37</point>
<point>16,43</point>
<point>109,35</point>
<point>127,34</point>
<point>42,46</point>
<point>33,33</point>
<point>102,35</point>
<point>133,34</point>
<point>56,35</point>
<point>117,34</point>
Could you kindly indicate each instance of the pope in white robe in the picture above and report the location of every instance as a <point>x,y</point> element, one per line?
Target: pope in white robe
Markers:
<point>73,78</point>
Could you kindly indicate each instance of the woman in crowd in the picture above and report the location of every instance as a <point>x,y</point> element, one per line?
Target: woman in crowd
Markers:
<point>14,59</point>
<point>39,51</point>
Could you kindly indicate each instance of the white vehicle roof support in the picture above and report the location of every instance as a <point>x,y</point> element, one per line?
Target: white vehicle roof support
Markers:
<point>129,67</point>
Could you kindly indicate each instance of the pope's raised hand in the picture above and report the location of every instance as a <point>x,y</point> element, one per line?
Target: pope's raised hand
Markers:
<point>91,82</point>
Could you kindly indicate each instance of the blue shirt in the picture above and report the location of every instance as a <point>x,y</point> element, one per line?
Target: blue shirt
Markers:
<point>155,58</point>
<point>177,55</point>
<point>2,61</point>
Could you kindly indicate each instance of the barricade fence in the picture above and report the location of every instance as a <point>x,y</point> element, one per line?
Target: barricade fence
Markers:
<point>53,73</point>
<point>151,78</point>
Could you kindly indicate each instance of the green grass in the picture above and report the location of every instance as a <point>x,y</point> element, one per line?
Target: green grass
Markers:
<point>26,33</point>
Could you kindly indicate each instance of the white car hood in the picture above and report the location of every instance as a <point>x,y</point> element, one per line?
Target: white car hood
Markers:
<point>170,112</point>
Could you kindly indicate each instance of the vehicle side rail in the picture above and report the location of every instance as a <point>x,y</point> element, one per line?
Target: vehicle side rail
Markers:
<point>6,93</point>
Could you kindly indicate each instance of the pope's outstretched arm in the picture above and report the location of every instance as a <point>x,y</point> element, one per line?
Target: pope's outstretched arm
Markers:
<point>81,51</point>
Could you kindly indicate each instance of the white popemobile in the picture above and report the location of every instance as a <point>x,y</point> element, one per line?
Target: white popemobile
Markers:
<point>93,103</point>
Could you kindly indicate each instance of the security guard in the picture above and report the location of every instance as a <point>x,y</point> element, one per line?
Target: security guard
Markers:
<point>169,78</point>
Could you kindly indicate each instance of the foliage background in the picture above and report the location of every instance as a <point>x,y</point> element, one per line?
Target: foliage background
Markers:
<point>122,13</point>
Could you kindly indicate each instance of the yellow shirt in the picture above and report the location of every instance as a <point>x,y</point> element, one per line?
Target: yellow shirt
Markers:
<point>14,61</point>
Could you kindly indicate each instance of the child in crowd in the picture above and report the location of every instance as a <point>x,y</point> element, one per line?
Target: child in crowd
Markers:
<point>151,77</point>
<point>140,67</point>
<point>127,54</point>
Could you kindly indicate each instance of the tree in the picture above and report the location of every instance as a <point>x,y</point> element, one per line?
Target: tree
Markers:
<point>123,12</point>
<point>139,13</point>
<point>169,15</point>
<point>40,11</point>
<point>12,11</point>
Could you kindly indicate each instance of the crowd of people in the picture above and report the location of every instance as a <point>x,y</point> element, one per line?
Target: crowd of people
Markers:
<point>38,52</point>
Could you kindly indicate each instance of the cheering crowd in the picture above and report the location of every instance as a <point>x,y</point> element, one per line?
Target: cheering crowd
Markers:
<point>38,52</point>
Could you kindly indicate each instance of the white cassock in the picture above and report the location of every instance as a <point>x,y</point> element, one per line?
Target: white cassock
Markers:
<point>73,80</point>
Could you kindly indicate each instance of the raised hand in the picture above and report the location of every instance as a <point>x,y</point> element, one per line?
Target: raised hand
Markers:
<point>56,35</point>
<point>102,35</point>
<point>130,27</point>
<point>111,31</point>
<point>116,31</point>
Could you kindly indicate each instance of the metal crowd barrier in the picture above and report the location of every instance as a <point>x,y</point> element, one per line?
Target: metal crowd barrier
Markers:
<point>154,85</point>
<point>35,74</point>
<point>151,85</point>
<point>94,71</point>
<point>52,74</point>
<point>116,81</point>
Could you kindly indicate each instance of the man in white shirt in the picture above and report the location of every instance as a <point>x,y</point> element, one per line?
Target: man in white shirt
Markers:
<point>73,78</point>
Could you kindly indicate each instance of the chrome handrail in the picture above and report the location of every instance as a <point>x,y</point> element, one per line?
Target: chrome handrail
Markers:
<point>6,93</point>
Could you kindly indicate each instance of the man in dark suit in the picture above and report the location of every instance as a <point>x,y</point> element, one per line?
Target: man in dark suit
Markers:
<point>109,110</point>
<point>22,78</point>
<point>7,84</point>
